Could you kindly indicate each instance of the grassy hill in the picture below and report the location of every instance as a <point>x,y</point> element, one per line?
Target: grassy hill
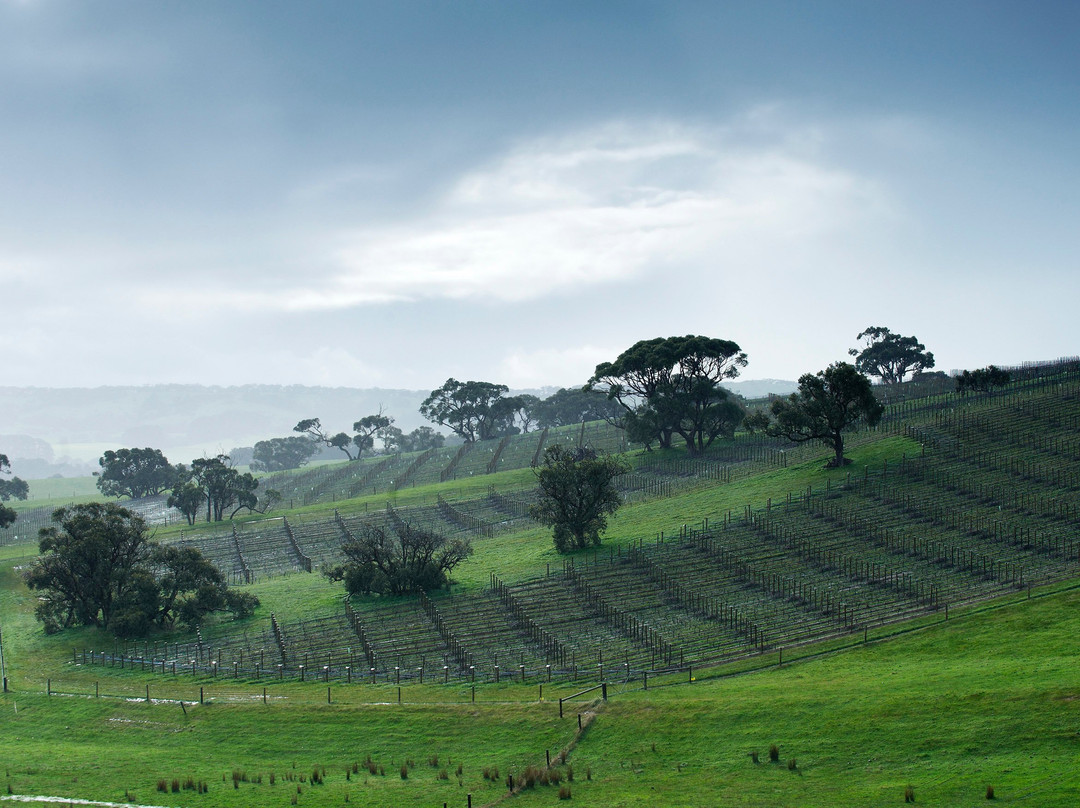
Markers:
<point>920,601</point>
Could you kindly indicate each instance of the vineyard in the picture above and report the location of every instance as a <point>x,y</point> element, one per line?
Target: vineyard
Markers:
<point>988,505</point>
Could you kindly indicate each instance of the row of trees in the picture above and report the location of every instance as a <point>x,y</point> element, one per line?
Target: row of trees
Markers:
<point>209,482</point>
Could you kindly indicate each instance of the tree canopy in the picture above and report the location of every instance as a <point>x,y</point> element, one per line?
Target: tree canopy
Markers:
<point>134,473</point>
<point>983,379</point>
<point>419,440</point>
<point>577,494</point>
<point>281,454</point>
<point>14,488</point>
<point>398,559</point>
<point>98,567</point>
<point>671,386</point>
<point>212,482</point>
<point>473,410</point>
<point>890,357</point>
<point>572,405</point>
<point>826,404</point>
<point>362,440</point>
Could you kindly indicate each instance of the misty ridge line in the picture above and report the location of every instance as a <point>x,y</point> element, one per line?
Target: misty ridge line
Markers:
<point>63,430</point>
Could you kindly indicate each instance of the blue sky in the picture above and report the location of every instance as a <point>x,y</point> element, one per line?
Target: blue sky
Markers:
<point>389,194</point>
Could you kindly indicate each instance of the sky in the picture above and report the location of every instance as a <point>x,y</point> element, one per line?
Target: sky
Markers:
<point>390,194</point>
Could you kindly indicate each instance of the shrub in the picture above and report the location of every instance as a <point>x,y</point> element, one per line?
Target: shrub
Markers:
<point>554,776</point>
<point>444,774</point>
<point>530,776</point>
<point>792,765</point>
<point>433,761</point>
<point>175,786</point>
<point>459,770</point>
<point>588,772</point>
<point>774,754</point>
<point>564,792</point>
<point>162,786</point>
<point>570,774</point>
<point>989,792</point>
<point>754,757</point>
<point>404,772</point>
<point>909,794</point>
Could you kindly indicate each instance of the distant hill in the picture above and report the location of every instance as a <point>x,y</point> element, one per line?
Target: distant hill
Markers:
<point>184,420</point>
<point>65,430</point>
<point>760,388</point>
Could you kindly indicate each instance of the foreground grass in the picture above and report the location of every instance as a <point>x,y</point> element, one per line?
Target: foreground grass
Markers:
<point>988,698</point>
<point>985,701</point>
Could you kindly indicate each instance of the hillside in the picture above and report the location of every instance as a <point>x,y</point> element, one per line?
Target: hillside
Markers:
<point>958,520</point>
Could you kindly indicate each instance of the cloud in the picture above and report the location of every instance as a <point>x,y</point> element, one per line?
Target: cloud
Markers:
<point>539,368</point>
<point>599,207</point>
<point>595,208</point>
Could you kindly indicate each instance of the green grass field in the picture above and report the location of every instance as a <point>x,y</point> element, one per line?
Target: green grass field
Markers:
<point>988,698</point>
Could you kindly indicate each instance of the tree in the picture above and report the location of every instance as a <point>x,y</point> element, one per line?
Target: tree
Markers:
<point>88,563</point>
<point>281,454</point>
<point>890,357</point>
<point>473,410</point>
<point>134,473</point>
<point>98,567</point>
<point>572,405</point>
<point>190,588</point>
<point>983,379</point>
<point>397,561</point>
<point>577,494</point>
<point>213,482</point>
<point>528,412</point>
<point>366,429</point>
<point>671,386</point>
<point>14,488</point>
<point>187,497</point>
<point>419,440</point>
<point>826,404</point>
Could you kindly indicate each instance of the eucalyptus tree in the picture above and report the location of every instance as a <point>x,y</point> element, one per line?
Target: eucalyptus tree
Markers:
<point>670,386</point>
<point>890,357</point>
<point>826,405</point>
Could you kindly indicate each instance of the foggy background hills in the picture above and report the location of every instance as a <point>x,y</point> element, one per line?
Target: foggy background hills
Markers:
<point>63,431</point>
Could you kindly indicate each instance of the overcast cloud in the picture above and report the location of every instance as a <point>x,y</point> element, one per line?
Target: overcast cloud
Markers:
<point>380,196</point>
